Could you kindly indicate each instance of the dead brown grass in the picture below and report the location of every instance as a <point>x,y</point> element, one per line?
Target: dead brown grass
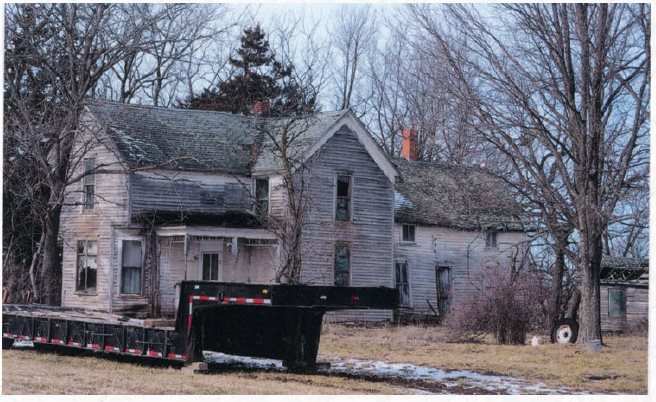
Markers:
<point>31,372</point>
<point>621,366</point>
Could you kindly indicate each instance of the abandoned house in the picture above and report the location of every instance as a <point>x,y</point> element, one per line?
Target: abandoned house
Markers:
<point>453,225</point>
<point>624,292</point>
<point>170,195</point>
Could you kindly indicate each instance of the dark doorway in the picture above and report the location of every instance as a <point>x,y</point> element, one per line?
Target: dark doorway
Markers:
<point>443,284</point>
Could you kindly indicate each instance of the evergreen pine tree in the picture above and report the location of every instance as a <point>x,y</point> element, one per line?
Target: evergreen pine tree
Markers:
<point>259,77</point>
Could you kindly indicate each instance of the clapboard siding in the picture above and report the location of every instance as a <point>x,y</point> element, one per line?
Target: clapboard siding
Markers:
<point>188,191</point>
<point>463,251</point>
<point>637,308</point>
<point>110,211</point>
<point>369,235</point>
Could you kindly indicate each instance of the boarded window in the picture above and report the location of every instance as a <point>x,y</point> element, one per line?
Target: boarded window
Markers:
<point>616,303</point>
<point>89,183</point>
<point>342,265</point>
<point>408,234</point>
<point>491,238</point>
<point>443,283</point>
<point>262,196</point>
<point>210,267</point>
<point>343,201</point>
<point>402,283</point>
<point>131,267</point>
<point>86,265</point>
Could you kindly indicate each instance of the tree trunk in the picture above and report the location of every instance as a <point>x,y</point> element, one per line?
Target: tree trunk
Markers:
<point>51,294</point>
<point>556,286</point>
<point>590,309</point>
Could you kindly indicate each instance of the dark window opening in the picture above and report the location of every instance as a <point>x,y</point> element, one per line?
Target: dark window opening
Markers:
<point>616,303</point>
<point>86,265</point>
<point>408,233</point>
<point>131,267</point>
<point>343,202</point>
<point>342,265</point>
<point>262,196</point>
<point>89,182</point>
<point>491,238</point>
<point>443,283</point>
<point>402,283</point>
<point>211,267</point>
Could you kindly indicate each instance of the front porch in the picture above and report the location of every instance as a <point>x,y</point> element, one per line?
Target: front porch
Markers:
<point>211,253</point>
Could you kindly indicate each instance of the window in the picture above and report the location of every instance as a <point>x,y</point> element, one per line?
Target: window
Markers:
<point>490,238</point>
<point>616,303</point>
<point>131,267</point>
<point>402,284</point>
<point>408,235</point>
<point>262,196</point>
<point>210,267</point>
<point>89,183</point>
<point>86,266</point>
<point>343,202</point>
<point>342,265</point>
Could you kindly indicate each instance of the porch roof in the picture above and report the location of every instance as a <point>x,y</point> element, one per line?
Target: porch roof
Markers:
<point>214,231</point>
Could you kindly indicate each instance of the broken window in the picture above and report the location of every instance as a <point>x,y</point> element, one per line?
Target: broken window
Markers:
<point>131,267</point>
<point>342,265</point>
<point>616,303</point>
<point>408,235</point>
<point>262,196</point>
<point>86,266</point>
<point>89,183</point>
<point>343,202</point>
<point>210,267</point>
<point>402,283</point>
<point>490,238</point>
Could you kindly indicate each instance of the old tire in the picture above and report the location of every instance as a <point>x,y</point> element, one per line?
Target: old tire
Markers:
<point>7,343</point>
<point>565,331</point>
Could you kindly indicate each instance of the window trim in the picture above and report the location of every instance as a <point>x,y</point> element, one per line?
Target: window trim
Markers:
<point>86,207</point>
<point>414,233</point>
<point>350,197</point>
<point>255,199</point>
<point>143,265</point>
<point>84,291</point>
<point>350,255</point>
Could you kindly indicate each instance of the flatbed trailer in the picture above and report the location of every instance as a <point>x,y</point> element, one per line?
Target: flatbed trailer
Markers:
<point>270,321</point>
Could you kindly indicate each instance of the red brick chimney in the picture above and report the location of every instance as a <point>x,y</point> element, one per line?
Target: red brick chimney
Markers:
<point>261,108</point>
<point>410,144</point>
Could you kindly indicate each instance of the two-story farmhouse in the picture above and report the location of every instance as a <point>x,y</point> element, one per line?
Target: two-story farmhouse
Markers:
<point>173,196</point>
<point>169,194</point>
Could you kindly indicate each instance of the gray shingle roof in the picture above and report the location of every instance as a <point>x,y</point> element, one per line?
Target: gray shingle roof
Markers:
<point>147,136</point>
<point>454,196</point>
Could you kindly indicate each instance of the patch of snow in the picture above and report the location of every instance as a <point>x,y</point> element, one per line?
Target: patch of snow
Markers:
<point>407,371</point>
<point>401,201</point>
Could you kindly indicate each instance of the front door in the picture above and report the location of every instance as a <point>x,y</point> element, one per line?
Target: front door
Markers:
<point>443,284</point>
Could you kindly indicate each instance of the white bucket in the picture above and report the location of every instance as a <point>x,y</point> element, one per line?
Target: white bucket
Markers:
<point>593,346</point>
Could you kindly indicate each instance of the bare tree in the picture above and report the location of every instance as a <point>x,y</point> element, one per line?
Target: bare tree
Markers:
<point>55,56</point>
<point>563,92</point>
<point>353,37</point>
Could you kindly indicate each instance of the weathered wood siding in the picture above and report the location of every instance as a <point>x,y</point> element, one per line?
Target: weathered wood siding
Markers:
<point>463,251</point>
<point>167,190</point>
<point>368,235</point>
<point>99,224</point>
<point>637,308</point>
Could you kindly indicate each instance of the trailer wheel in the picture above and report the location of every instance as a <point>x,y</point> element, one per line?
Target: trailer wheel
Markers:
<point>565,331</point>
<point>7,343</point>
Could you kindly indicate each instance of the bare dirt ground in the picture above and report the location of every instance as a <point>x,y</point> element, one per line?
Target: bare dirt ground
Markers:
<point>365,361</point>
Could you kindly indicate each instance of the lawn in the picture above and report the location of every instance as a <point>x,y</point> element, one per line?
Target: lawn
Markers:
<point>621,367</point>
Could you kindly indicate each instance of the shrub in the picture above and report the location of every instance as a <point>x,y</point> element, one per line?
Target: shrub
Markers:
<point>503,304</point>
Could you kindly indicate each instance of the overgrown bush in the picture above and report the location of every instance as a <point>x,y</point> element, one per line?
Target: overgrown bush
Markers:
<point>503,304</point>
